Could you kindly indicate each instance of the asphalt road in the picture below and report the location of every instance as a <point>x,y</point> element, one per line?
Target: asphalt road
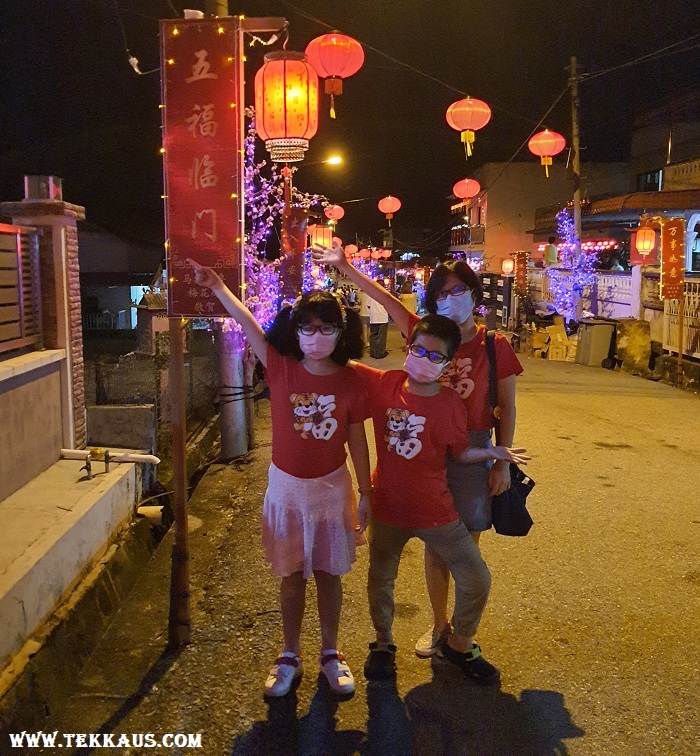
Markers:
<point>594,618</point>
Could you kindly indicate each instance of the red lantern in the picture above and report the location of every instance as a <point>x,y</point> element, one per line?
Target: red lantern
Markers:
<point>337,241</point>
<point>334,212</point>
<point>546,144</point>
<point>376,254</point>
<point>334,57</point>
<point>467,116</point>
<point>350,250</point>
<point>386,254</point>
<point>286,105</point>
<point>645,240</point>
<point>389,205</point>
<point>364,253</point>
<point>466,188</point>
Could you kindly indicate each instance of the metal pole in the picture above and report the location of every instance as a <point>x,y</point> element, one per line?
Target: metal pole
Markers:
<point>679,364</point>
<point>179,618</point>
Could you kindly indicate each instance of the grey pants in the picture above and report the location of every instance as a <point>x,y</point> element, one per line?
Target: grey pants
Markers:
<point>377,339</point>
<point>456,547</point>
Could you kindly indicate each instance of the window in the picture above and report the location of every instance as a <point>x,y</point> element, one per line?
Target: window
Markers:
<point>649,182</point>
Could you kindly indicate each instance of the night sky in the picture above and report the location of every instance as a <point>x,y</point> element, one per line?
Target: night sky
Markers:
<point>71,105</point>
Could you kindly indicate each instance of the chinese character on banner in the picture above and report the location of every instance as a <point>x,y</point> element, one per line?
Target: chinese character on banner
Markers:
<point>672,258</point>
<point>202,141</point>
<point>294,220</point>
<point>520,259</point>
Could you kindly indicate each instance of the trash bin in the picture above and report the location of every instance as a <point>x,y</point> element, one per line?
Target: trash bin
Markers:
<point>594,338</point>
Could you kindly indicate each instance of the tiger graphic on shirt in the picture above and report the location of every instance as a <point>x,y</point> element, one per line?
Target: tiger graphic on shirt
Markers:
<point>313,415</point>
<point>456,376</point>
<point>401,432</point>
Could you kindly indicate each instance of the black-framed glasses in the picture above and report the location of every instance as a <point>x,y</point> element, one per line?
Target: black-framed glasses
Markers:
<point>326,329</point>
<point>455,291</point>
<point>419,351</point>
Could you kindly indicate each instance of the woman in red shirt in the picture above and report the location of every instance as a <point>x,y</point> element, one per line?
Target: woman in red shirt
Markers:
<point>317,405</point>
<point>454,290</point>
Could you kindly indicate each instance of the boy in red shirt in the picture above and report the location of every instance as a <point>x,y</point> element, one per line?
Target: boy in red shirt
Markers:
<point>417,424</point>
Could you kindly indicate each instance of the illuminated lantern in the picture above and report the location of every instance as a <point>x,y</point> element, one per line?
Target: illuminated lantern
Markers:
<point>645,240</point>
<point>334,57</point>
<point>386,253</point>
<point>468,116</point>
<point>337,241</point>
<point>389,205</point>
<point>466,188</point>
<point>364,253</point>
<point>546,144</point>
<point>507,266</point>
<point>286,105</point>
<point>320,235</point>
<point>376,254</point>
<point>334,212</point>
<point>350,250</point>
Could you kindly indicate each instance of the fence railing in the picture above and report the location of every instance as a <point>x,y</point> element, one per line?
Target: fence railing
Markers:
<point>610,294</point>
<point>691,321</point>
<point>105,321</point>
<point>20,288</point>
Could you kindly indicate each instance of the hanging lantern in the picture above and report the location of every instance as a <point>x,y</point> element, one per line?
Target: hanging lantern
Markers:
<point>467,116</point>
<point>645,240</point>
<point>350,250</point>
<point>389,205</point>
<point>321,236</point>
<point>334,212</point>
<point>334,57</point>
<point>466,188</point>
<point>376,254</point>
<point>364,253</point>
<point>507,266</point>
<point>337,241</point>
<point>546,144</point>
<point>386,254</point>
<point>286,105</point>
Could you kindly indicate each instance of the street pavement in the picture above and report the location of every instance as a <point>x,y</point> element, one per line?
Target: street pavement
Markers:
<point>594,618</point>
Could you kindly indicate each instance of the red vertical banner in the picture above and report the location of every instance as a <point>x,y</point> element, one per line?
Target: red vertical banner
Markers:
<point>672,258</point>
<point>294,220</point>
<point>202,143</point>
<point>520,259</point>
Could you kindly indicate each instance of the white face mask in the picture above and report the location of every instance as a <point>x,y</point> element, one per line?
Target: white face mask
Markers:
<point>457,309</point>
<point>422,370</point>
<point>318,346</point>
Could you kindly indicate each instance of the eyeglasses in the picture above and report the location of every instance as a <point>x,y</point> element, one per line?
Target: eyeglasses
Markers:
<point>326,329</point>
<point>455,291</point>
<point>436,357</point>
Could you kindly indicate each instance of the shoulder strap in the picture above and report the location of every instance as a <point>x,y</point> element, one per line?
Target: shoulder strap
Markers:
<point>493,380</point>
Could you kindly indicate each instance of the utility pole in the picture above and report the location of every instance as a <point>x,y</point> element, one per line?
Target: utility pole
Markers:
<point>575,145</point>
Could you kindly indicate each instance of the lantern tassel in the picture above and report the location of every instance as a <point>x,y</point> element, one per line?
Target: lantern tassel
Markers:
<point>332,106</point>
<point>546,170</point>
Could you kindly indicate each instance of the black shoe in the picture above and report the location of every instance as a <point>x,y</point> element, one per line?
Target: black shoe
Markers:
<point>381,662</point>
<point>472,664</point>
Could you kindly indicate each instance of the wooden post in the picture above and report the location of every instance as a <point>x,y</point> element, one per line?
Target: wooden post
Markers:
<point>679,365</point>
<point>179,618</point>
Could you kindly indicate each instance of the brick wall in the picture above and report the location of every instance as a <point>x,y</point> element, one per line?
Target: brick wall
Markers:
<point>75,342</point>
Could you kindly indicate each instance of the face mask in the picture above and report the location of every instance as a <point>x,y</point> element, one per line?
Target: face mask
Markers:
<point>318,346</point>
<point>422,370</point>
<point>458,308</point>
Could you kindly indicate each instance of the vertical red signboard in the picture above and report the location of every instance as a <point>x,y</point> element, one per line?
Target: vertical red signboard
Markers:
<point>294,220</point>
<point>202,145</point>
<point>520,259</point>
<point>672,258</point>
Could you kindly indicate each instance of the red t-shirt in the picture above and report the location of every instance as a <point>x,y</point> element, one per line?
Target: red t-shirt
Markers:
<point>468,373</point>
<point>310,415</point>
<point>413,434</point>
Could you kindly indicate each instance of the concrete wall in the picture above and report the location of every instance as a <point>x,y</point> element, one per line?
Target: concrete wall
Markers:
<point>30,426</point>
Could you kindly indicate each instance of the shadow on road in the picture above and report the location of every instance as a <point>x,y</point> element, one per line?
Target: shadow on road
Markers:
<point>452,716</point>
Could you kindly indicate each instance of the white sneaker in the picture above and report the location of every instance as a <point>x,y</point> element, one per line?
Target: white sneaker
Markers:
<point>337,672</point>
<point>282,675</point>
<point>428,645</point>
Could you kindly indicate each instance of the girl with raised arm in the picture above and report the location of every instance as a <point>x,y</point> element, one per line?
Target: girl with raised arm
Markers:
<point>317,405</point>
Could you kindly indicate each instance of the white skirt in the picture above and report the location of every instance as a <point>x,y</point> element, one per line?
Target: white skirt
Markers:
<point>309,523</point>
